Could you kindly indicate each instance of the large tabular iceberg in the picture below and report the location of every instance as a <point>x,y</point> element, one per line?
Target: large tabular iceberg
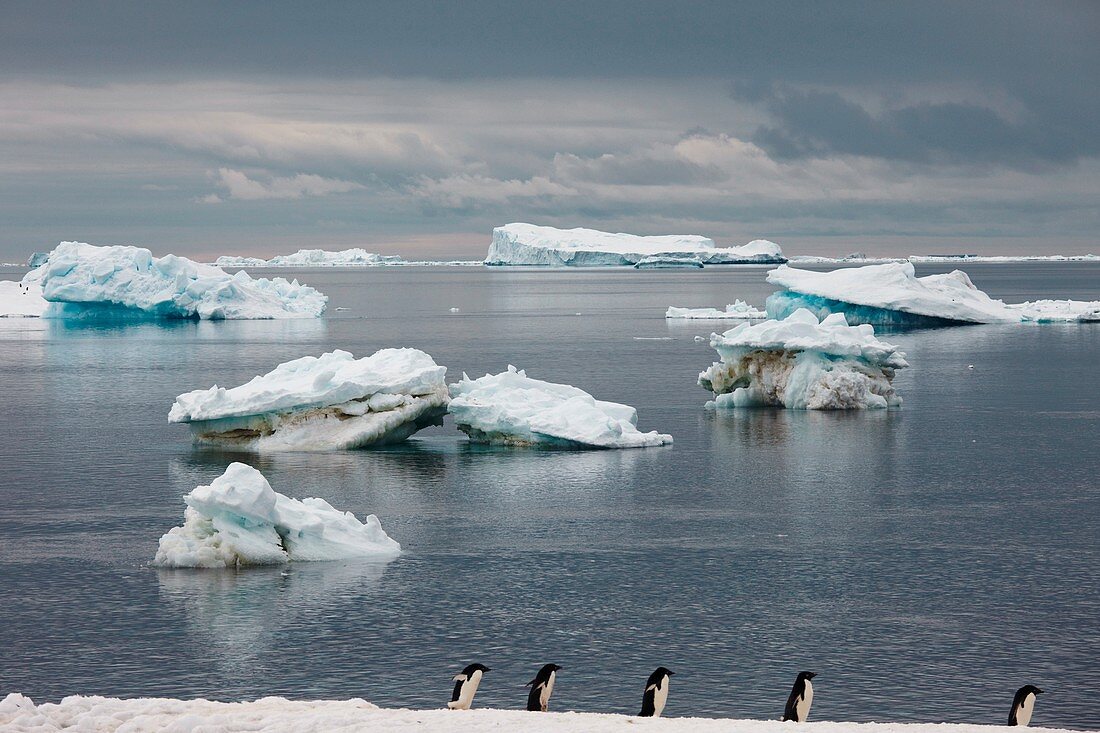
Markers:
<point>240,520</point>
<point>331,402</point>
<point>801,363</point>
<point>510,408</point>
<point>892,294</point>
<point>81,280</point>
<point>527,244</point>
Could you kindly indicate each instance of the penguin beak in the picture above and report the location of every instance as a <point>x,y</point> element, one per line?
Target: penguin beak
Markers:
<point>1038,691</point>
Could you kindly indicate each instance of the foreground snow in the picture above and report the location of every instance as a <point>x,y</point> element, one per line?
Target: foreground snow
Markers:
<point>331,402</point>
<point>892,294</point>
<point>81,280</point>
<point>21,300</point>
<point>739,310</point>
<point>240,520</point>
<point>275,714</point>
<point>510,408</point>
<point>527,244</point>
<point>803,364</point>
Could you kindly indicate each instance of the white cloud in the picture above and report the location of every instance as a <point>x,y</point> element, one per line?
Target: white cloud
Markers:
<point>240,186</point>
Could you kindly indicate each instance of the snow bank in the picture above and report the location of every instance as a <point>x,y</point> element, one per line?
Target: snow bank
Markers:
<point>892,294</point>
<point>738,310</point>
<point>277,715</point>
<point>355,257</point>
<point>83,280</point>
<point>801,363</point>
<point>527,244</point>
<point>19,300</point>
<point>510,408</point>
<point>331,402</point>
<point>240,520</point>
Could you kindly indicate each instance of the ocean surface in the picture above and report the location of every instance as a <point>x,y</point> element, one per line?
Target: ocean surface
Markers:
<point>925,562</point>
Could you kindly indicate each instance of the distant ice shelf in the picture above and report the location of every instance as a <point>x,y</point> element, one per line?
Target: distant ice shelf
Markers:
<point>528,244</point>
<point>862,259</point>
<point>355,257</point>
<point>739,310</point>
<point>511,408</point>
<point>240,520</point>
<point>803,363</point>
<point>331,402</point>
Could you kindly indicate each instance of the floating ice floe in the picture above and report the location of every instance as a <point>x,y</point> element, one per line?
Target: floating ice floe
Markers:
<point>81,280</point>
<point>892,294</point>
<point>240,520</point>
<point>331,402</point>
<point>667,262</point>
<point>527,244</point>
<point>801,363</point>
<point>739,310</point>
<point>510,408</point>
<point>21,300</point>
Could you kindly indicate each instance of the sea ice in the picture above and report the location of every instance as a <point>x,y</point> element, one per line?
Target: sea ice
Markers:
<point>240,520</point>
<point>801,363</point>
<point>510,408</point>
<point>892,294</point>
<point>331,402</point>
<point>81,280</point>
<point>527,244</point>
<point>21,300</point>
<point>668,262</point>
<point>738,310</point>
<point>355,257</point>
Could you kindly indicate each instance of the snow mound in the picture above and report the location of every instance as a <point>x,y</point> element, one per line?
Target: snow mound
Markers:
<point>892,294</point>
<point>527,244</point>
<point>21,300</point>
<point>331,402</point>
<point>738,310</point>
<point>510,408</point>
<point>83,280</point>
<point>801,363</point>
<point>240,520</point>
<point>355,257</point>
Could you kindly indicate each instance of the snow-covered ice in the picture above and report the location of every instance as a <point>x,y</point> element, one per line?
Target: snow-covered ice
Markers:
<point>892,294</point>
<point>82,280</point>
<point>739,310</point>
<point>668,262</point>
<point>510,408</point>
<point>240,520</point>
<point>331,402</point>
<point>355,257</point>
<point>21,300</point>
<point>278,715</point>
<point>861,258</point>
<point>527,244</point>
<point>801,363</point>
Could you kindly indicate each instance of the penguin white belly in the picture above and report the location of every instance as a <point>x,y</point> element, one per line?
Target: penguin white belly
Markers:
<point>660,696</point>
<point>803,705</point>
<point>466,694</point>
<point>547,690</point>
<point>1027,707</point>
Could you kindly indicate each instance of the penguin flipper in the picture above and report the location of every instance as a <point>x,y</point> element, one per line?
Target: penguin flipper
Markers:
<point>458,688</point>
<point>790,710</point>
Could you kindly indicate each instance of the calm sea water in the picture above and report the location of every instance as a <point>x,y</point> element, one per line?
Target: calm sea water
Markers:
<point>925,562</point>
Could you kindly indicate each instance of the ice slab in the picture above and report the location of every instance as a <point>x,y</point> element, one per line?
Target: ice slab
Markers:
<point>528,244</point>
<point>355,257</point>
<point>240,520</point>
<point>511,408</point>
<point>21,300</point>
<point>331,402</point>
<point>668,262</point>
<point>803,363</point>
<point>739,310</point>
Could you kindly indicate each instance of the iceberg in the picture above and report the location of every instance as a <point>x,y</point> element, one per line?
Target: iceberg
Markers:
<point>803,363</point>
<point>330,402</point>
<point>82,280</point>
<point>667,262</point>
<point>37,259</point>
<point>355,257</point>
<point>510,408</point>
<point>892,295</point>
<point>21,300</point>
<point>739,310</point>
<point>527,244</point>
<point>240,520</point>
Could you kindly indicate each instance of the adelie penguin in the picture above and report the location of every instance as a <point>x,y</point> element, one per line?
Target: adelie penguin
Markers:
<point>656,693</point>
<point>466,683</point>
<point>1023,705</point>
<point>542,687</point>
<point>801,697</point>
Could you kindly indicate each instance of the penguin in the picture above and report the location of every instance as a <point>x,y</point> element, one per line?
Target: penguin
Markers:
<point>1023,705</point>
<point>542,687</point>
<point>656,693</point>
<point>466,683</point>
<point>802,696</point>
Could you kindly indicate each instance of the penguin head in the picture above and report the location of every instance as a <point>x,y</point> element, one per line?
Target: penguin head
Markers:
<point>1026,689</point>
<point>663,672</point>
<point>807,675</point>
<point>475,667</point>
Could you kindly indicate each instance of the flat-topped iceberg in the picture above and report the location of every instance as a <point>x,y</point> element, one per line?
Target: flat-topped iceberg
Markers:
<point>330,402</point>
<point>527,244</point>
<point>240,520</point>
<point>668,262</point>
<point>82,280</point>
<point>355,257</point>
<point>892,294</point>
<point>802,363</point>
<point>21,300</point>
<point>510,408</point>
<point>738,310</point>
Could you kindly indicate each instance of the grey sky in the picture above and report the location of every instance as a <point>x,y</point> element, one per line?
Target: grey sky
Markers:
<point>209,128</point>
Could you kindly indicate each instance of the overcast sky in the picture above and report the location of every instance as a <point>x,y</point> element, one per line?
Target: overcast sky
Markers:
<point>208,128</point>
